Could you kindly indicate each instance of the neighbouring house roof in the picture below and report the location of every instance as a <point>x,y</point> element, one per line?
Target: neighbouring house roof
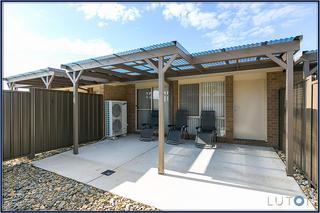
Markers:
<point>131,65</point>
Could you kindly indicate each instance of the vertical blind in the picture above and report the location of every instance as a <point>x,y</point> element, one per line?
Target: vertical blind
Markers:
<point>212,97</point>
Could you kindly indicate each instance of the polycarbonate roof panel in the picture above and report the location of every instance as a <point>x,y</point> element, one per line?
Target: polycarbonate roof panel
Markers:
<point>148,48</point>
<point>179,62</point>
<point>140,62</point>
<point>213,64</point>
<point>130,63</point>
<point>188,67</point>
<point>133,73</point>
<point>44,71</point>
<point>244,46</point>
<point>232,61</point>
<point>120,70</point>
<point>140,67</point>
<point>156,46</point>
<point>108,67</point>
<point>147,65</point>
<point>251,59</point>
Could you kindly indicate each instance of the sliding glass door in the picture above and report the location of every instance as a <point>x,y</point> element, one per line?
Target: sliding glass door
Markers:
<point>148,100</point>
<point>144,106</point>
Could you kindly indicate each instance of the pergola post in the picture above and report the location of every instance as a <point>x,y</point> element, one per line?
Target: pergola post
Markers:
<point>161,69</point>
<point>161,115</point>
<point>75,77</point>
<point>289,114</point>
<point>11,86</point>
<point>47,80</point>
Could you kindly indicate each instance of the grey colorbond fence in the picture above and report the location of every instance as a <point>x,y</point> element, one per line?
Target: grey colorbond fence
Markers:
<point>305,139</point>
<point>41,120</point>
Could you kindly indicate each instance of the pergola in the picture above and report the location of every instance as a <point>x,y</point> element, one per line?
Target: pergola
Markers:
<point>48,78</point>
<point>172,60</point>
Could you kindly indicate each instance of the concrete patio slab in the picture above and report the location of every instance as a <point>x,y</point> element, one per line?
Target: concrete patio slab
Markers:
<point>229,177</point>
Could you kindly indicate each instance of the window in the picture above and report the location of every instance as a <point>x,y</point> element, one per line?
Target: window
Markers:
<point>189,98</point>
<point>203,96</point>
<point>213,98</point>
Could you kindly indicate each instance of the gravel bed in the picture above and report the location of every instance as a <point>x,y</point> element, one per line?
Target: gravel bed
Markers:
<point>26,187</point>
<point>309,190</point>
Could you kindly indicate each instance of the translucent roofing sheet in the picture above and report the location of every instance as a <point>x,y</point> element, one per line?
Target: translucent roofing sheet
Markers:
<point>44,71</point>
<point>213,64</point>
<point>108,67</point>
<point>179,62</point>
<point>242,60</point>
<point>244,46</point>
<point>156,46</point>
<point>147,65</point>
<point>130,63</point>
<point>133,73</point>
<point>189,67</point>
<point>120,70</point>
<point>140,67</point>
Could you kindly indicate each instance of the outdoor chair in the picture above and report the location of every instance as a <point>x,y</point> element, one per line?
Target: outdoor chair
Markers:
<point>148,129</point>
<point>206,132</point>
<point>176,130</point>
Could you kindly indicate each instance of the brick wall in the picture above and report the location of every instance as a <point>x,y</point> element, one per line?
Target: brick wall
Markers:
<point>123,93</point>
<point>229,108</point>
<point>275,81</point>
<point>173,91</point>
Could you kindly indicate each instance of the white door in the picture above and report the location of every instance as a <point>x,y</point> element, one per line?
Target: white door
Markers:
<point>250,109</point>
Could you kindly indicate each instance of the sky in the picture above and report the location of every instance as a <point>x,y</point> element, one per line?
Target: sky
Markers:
<point>39,35</point>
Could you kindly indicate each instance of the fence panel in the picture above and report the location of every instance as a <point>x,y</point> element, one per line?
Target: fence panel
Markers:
<point>305,140</point>
<point>314,132</point>
<point>16,124</point>
<point>41,120</point>
<point>299,125</point>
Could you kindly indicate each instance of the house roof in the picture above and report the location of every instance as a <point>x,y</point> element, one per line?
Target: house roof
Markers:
<point>131,65</point>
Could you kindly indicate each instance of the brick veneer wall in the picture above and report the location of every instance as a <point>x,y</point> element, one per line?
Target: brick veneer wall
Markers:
<point>275,81</point>
<point>229,108</point>
<point>123,93</point>
<point>173,92</point>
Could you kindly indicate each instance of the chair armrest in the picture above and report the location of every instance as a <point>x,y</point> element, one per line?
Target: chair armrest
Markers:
<point>171,125</point>
<point>214,132</point>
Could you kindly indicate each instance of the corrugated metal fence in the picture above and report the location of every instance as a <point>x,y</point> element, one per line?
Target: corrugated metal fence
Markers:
<point>305,139</point>
<point>41,120</point>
